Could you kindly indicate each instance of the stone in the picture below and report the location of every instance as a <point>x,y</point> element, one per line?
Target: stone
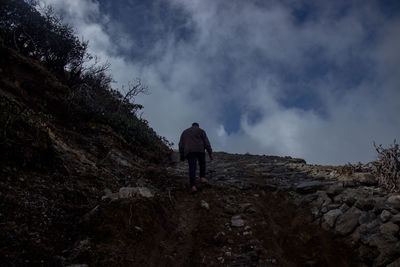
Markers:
<point>396,219</point>
<point>119,158</point>
<point>335,189</point>
<point>331,216</point>
<point>344,207</point>
<point>244,206</point>
<point>365,204</point>
<point>237,221</point>
<point>366,217</point>
<point>396,263</point>
<point>394,201</point>
<point>380,205</point>
<point>382,241</point>
<point>346,223</point>
<point>309,187</point>
<point>385,216</point>
<point>388,255</point>
<point>365,178</point>
<point>389,228</point>
<point>204,205</point>
<point>130,192</point>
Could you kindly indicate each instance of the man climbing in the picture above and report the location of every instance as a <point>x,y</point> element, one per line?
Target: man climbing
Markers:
<point>192,144</point>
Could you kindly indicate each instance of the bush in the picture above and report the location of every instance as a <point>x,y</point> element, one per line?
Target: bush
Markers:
<point>41,36</point>
<point>90,96</point>
<point>387,167</point>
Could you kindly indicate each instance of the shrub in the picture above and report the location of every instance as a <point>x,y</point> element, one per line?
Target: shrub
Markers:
<point>387,167</point>
<point>42,36</point>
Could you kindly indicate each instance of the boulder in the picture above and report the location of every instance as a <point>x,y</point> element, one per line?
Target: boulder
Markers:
<point>244,206</point>
<point>331,216</point>
<point>385,216</point>
<point>366,217</point>
<point>309,187</point>
<point>396,219</point>
<point>129,192</point>
<point>346,223</point>
<point>389,228</point>
<point>365,178</point>
<point>237,221</point>
<point>204,205</point>
<point>394,201</point>
<point>396,263</point>
<point>335,189</point>
<point>365,204</point>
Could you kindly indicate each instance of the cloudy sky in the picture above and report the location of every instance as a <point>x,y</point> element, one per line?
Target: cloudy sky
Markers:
<point>315,79</point>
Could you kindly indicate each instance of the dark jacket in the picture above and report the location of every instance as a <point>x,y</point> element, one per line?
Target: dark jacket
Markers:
<point>194,139</point>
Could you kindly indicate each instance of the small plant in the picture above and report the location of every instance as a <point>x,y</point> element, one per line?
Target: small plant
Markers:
<point>387,167</point>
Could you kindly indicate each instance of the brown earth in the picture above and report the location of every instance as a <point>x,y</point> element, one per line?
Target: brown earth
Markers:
<point>177,231</point>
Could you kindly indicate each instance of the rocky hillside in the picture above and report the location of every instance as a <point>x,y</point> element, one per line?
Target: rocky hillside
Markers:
<point>74,191</point>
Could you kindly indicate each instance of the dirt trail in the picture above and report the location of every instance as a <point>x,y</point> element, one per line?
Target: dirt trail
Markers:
<point>240,227</point>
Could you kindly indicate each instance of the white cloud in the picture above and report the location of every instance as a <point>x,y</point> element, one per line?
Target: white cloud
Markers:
<point>243,53</point>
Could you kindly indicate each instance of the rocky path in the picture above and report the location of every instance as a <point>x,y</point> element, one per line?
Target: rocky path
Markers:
<point>245,217</point>
<point>261,210</point>
<point>255,211</point>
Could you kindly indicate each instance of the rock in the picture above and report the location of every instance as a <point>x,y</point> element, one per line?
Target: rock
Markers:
<point>335,189</point>
<point>331,216</point>
<point>244,206</point>
<point>396,219</point>
<point>230,210</point>
<point>347,197</point>
<point>365,178</point>
<point>380,205</point>
<point>138,229</point>
<point>387,255</point>
<point>382,241</point>
<point>394,201</point>
<point>366,217</point>
<point>385,216</point>
<point>204,205</point>
<point>119,158</point>
<point>309,187</point>
<point>344,207</point>
<point>365,204</point>
<point>237,221</point>
<point>346,223</point>
<point>389,228</point>
<point>396,263</point>
<point>129,192</point>
<point>322,201</point>
<point>109,195</point>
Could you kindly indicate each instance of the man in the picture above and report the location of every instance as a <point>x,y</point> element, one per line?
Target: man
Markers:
<point>192,144</point>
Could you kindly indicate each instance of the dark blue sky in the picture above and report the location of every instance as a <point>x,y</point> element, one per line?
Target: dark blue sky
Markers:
<point>315,79</point>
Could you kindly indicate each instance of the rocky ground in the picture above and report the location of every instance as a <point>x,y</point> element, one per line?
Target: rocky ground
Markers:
<point>297,214</point>
<point>255,211</point>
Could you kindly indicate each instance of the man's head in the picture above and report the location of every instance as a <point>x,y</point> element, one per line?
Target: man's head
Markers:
<point>195,124</point>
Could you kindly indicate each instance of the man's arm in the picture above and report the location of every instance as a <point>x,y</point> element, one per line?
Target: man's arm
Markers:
<point>207,145</point>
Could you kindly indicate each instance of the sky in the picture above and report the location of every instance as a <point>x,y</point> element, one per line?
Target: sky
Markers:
<point>313,79</point>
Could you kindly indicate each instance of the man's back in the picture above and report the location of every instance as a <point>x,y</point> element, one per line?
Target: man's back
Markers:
<point>194,139</point>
